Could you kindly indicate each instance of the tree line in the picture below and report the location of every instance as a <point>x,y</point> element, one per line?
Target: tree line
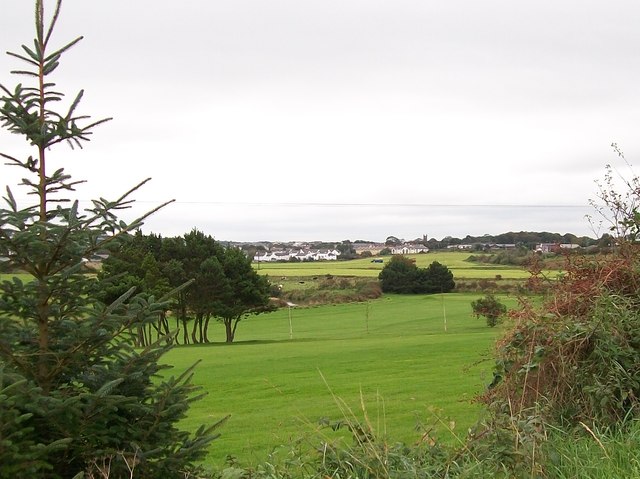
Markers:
<point>526,239</point>
<point>221,285</point>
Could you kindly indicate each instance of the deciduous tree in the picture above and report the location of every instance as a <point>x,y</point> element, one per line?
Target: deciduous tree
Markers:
<point>224,286</point>
<point>244,293</point>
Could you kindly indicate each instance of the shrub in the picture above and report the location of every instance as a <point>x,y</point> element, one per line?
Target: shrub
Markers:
<point>401,275</point>
<point>489,308</point>
<point>368,290</point>
<point>572,363</point>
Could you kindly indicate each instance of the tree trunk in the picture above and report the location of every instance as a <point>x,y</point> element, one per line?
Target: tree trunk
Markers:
<point>194,330</point>
<point>229,330</point>
<point>43,341</point>
<point>235,326</point>
<point>139,336</point>
<point>185,332</point>
<point>157,326</point>
<point>177,330</point>
<point>200,330</point>
<point>230,326</point>
<point>206,328</point>
<point>164,323</point>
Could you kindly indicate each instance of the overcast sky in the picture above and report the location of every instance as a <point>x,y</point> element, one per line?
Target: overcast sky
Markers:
<point>347,119</point>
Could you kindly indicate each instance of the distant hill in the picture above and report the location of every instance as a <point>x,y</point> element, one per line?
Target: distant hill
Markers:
<point>528,239</point>
<point>522,238</point>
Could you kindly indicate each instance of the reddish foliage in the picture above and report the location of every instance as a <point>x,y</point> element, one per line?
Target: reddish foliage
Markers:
<point>540,359</point>
<point>587,278</point>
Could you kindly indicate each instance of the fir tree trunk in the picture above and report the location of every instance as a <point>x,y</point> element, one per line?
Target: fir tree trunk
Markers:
<point>43,300</point>
<point>43,340</point>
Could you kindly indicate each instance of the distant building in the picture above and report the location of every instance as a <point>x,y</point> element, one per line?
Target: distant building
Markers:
<point>373,248</point>
<point>409,249</point>
<point>482,246</point>
<point>296,255</point>
<point>460,246</point>
<point>555,247</point>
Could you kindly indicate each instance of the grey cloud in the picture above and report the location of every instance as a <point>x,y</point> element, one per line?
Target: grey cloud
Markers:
<point>407,101</point>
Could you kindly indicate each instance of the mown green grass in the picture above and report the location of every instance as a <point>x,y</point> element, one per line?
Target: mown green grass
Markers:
<point>24,277</point>
<point>455,261</point>
<point>393,353</point>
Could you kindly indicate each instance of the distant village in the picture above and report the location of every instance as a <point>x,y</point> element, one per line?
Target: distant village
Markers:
<point>267,252</point>
<point>302,252</point>
<point>296,255</point>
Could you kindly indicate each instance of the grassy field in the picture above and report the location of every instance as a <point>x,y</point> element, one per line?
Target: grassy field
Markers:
<point>22,276</point>
<point>393,351</point>
<point>454,260</point>
<point>364,267</point>
<point>403,357</point>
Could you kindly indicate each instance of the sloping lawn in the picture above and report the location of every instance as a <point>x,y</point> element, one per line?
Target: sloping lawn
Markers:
<point>393,354</point>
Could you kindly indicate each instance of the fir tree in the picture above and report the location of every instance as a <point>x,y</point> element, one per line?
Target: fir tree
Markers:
<point>76,396</point>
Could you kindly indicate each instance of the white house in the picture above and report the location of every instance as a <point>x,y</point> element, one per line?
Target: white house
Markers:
<point>409,249</point>
<point>298,254</point>
<point>554,247</point>
<point>460,246</point>
<point>326,254</point>
<point>267,256</point>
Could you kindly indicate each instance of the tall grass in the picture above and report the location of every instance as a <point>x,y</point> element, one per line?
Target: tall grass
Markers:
<point>594,454</point>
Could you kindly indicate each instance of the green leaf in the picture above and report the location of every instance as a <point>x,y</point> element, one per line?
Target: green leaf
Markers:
<point>24,72</point>
<point>23,58</point>
<point>106,389</point>
<point>51,65</point>
<point>31,53</point>
<point>74,104</point>
<point>121,300</point>
<point>63,49</point>
<point>11,200</point>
